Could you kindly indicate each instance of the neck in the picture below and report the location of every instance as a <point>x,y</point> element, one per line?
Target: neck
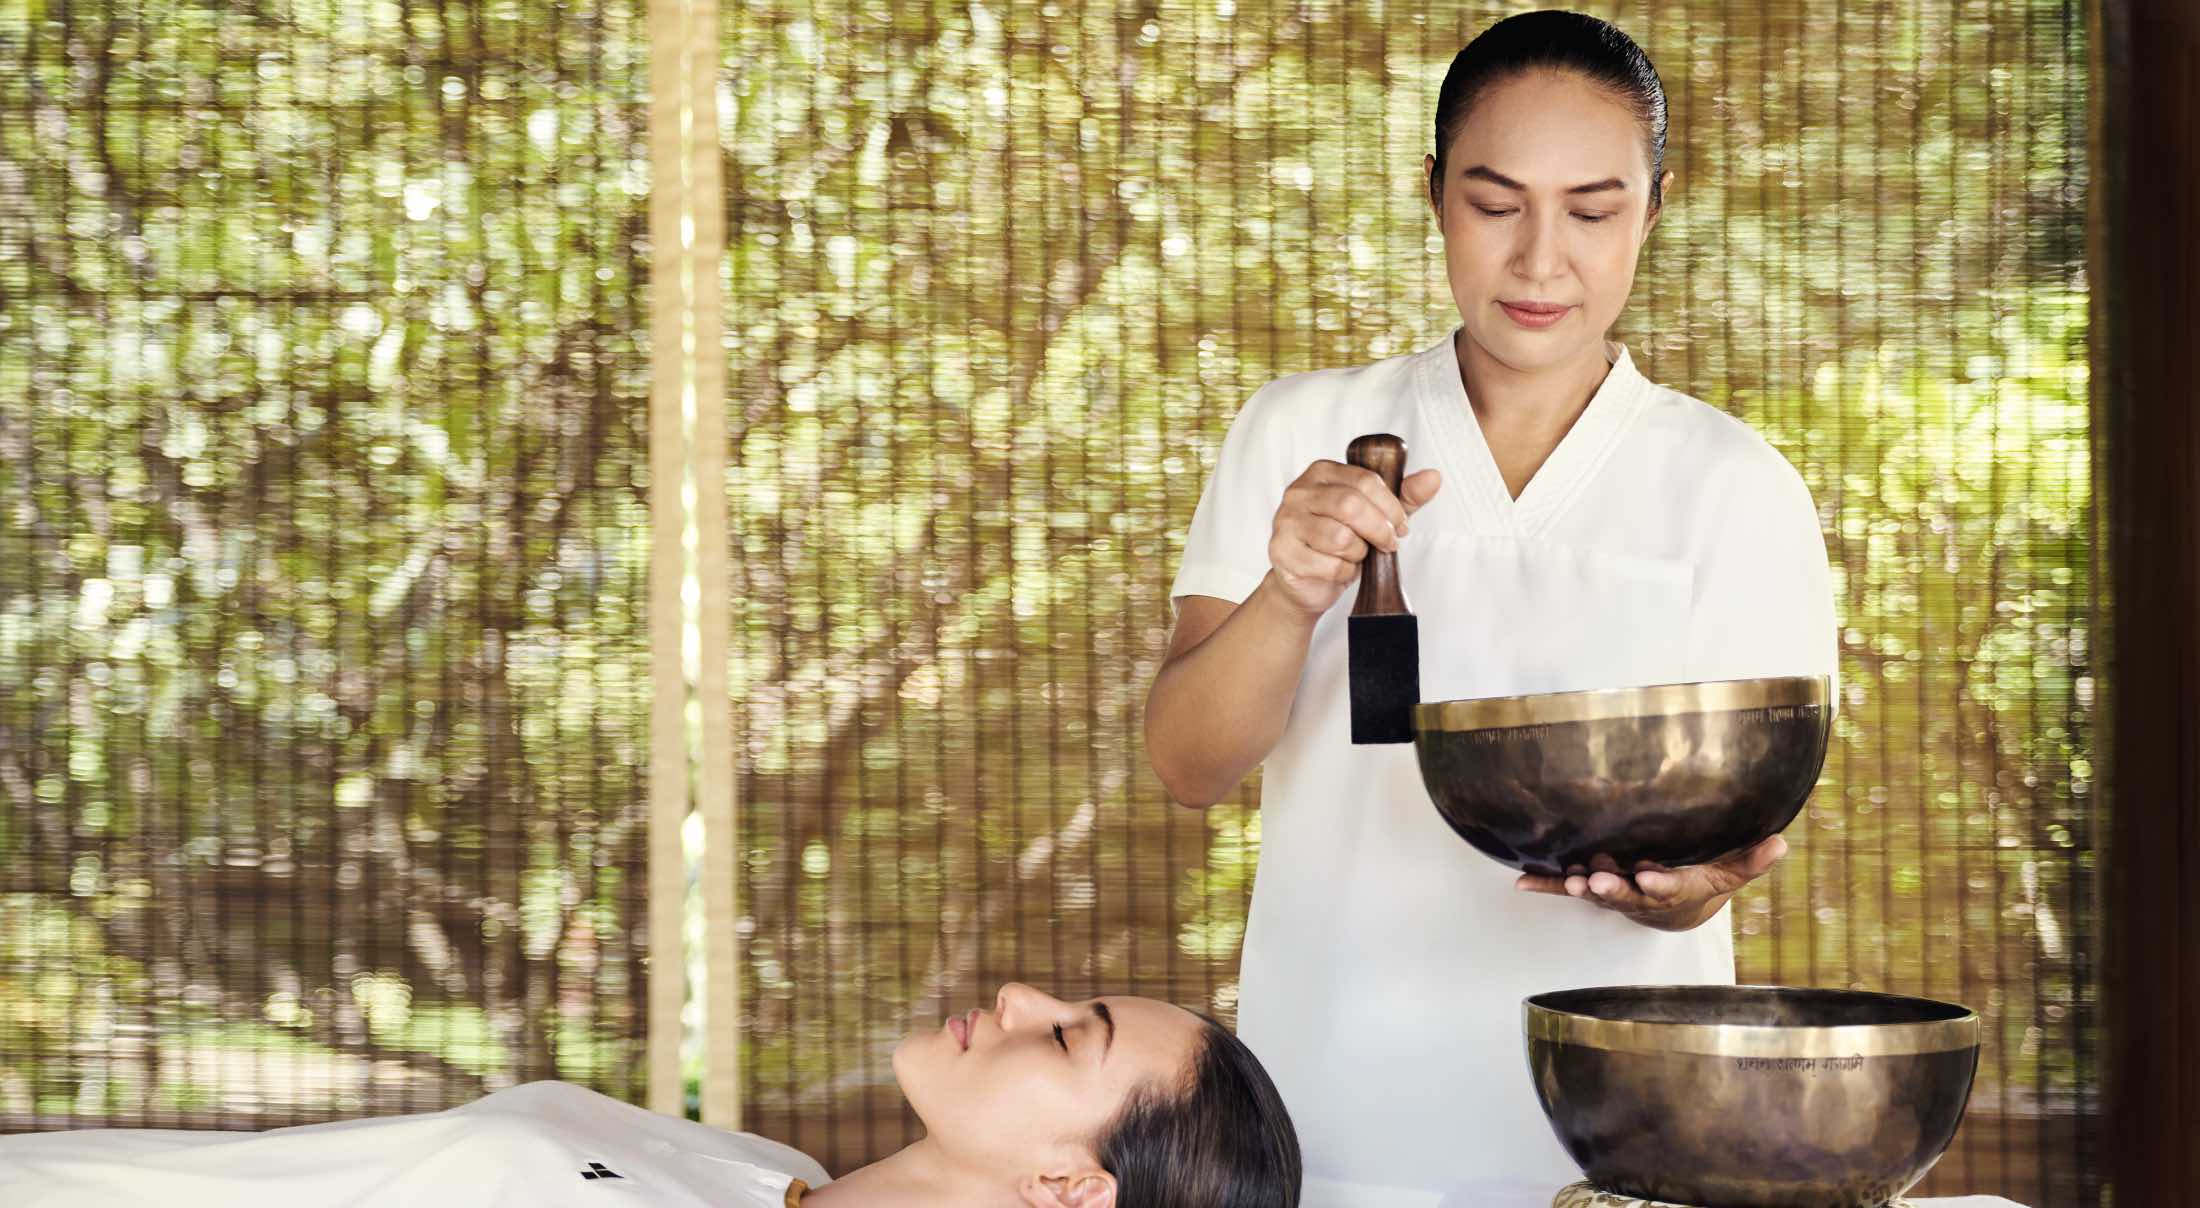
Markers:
<point>1549,398</point>
<point>919,1176</point>
<point>1524,413</point>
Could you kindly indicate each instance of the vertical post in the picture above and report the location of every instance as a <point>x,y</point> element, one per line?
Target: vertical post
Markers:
<point>668,762</point>
<point>2146,299</point>
<point>706,412</point>
<point>687,467</point>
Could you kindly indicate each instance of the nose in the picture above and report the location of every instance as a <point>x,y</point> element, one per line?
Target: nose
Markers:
<point>1539,256</point>
<point>1017,1001</point>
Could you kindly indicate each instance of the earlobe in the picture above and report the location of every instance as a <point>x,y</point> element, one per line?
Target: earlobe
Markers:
<point>1084,1189</point>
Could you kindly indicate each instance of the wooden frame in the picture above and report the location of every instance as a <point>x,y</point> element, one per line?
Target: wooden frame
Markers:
<point>2146,360</point>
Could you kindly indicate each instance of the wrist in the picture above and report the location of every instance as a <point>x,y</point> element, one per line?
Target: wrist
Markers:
<point>1276,604</point>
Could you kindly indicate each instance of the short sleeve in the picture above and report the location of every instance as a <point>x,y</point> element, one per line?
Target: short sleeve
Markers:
<point>1763,597</point>
<point>1226,548</point>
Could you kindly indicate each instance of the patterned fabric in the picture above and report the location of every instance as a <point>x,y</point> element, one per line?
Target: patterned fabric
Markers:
<point>1583,1195</point>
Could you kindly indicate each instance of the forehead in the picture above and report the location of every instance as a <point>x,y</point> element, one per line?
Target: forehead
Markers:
<point>1550,128</point>
<point>1156,1031</point>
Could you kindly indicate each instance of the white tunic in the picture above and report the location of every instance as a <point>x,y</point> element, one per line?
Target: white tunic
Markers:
<point>1385,960</point>
<point>540,1145</point>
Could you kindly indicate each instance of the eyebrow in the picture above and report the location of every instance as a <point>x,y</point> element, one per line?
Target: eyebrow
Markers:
<point>1100,1012</point>
<point>1484,172</point>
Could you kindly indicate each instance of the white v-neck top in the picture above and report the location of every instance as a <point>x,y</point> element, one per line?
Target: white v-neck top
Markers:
<point>538,1145</point>
<point>1384,963</point>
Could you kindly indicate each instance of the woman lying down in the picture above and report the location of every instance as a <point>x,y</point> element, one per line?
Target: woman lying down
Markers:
<point>1111,1103</point>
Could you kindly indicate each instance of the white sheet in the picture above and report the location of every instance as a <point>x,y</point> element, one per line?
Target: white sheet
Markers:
<point>541,1145</point>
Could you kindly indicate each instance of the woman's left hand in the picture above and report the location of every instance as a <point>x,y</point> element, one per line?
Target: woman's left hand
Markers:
<point>1669,899</point>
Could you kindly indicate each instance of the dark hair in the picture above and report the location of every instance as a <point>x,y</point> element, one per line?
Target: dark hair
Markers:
<point>1226,1142</point>
<point>1561,41</point>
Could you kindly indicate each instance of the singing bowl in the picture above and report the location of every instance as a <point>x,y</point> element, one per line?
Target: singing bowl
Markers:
<point>1671,774</point>
<point>1751,1096</point>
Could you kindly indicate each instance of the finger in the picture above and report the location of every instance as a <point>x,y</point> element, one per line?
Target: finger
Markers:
<point>1719,876</point>
<point>1758,860</point>
<point>1531,883</point>
<point>1418,488</point>
<point>1328,491</point>
<point>1300,539</point>
<point>1374,513</point>
<point>1335,519</point>
<point>1617,892</point>
<point>1301,563</point>
<point>1603,864</point>
<point>1322,472</point>
<point>1706,881</point>
<point>1577,886</point>
<point>1330,536</point>
<point>1669,887</point>
<point>1368,485</point>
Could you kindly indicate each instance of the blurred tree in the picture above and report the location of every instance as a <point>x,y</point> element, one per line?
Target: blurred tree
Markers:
<point>320,577</point>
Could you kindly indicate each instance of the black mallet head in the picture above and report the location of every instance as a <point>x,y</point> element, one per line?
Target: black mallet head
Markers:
<point>1383,641</point>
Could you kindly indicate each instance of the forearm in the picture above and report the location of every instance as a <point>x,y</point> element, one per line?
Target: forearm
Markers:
<point>1216,710</point>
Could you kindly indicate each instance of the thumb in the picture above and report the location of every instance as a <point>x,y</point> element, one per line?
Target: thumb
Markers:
<point>1418,488</point>
<point>1758,860</point>
<point>1743,867</point>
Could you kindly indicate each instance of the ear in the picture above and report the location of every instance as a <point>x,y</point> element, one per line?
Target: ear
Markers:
<point>1087,1188</point>
<point>1665,194</point>
<point>1429,185</point>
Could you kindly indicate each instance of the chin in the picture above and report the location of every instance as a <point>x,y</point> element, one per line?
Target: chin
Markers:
<point>915,1076</point>
<point>923,1050</point>
<point>1525,350</point>
<point>908,1055</point>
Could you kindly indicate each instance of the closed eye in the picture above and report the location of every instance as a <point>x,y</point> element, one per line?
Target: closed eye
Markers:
<point>1488,212</point>
<point>1060,1039</point>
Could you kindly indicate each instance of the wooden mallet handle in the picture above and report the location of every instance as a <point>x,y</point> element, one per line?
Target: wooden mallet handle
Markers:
<point>1380,593</point>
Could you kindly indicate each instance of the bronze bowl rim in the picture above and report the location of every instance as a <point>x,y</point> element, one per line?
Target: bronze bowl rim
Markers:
<point>1947,1027</point>
<point>1470,714</point>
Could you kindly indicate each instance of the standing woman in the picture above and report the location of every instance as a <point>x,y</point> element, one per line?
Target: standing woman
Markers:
<point>1573,525</point>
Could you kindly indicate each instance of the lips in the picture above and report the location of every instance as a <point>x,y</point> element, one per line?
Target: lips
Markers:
<point>959,1026</point>
<point>1534,314</point>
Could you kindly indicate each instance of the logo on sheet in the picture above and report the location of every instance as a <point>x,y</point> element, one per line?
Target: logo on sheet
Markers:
<point>597,1170</point>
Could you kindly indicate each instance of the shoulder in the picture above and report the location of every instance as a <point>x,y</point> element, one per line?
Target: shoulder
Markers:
<point>1723,454</point>
<point>1344,393</point>
<point>1297,419</point>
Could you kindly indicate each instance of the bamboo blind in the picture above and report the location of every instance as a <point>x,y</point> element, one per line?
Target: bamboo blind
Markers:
<point>1002,273</point>
<point>434,579</point>
<point>324,676</point>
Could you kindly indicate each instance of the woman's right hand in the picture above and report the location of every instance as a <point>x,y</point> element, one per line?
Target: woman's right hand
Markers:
<point>1330,517</point>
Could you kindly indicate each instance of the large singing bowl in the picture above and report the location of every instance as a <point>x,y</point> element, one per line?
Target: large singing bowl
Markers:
<point>1751,1096</point>
<point>1670,775</point>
